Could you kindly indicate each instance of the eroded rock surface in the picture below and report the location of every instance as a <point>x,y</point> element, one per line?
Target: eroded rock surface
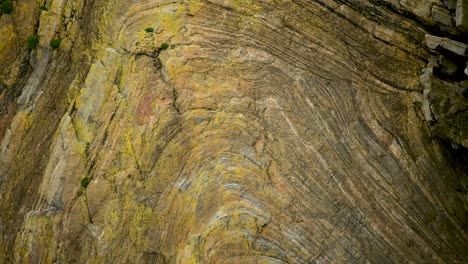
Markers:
<point>445,79</point>
<point>268,132</point>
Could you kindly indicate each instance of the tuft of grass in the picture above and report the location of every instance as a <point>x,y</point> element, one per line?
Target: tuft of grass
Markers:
<point>149,30</point>
<point>7,7</point>
<point>164,46</point>
<point>85,182</point>
<point>55,43</point>
<point>32,41</point>
<point>44,7</point>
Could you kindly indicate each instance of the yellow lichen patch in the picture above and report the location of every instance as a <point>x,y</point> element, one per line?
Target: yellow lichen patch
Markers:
<point>217,188</point>
<point>171,20</point>
<point>141,222</point>
<point>83,133</point>
<point>167,19</point>
<point>192,73</point>
<point>38,229</point>
<point>74,90</point>
<point>8,47</point>
<point>95,94</point>
<point>25,16</point>
<point>193,6</point>
<point>22,121</point>
<point>48,25</point>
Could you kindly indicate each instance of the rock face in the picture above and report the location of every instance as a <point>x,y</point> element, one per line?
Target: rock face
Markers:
<point>462,15</point>
<point>268,132</point>
<point>445,78</point>
<point>445,104</point>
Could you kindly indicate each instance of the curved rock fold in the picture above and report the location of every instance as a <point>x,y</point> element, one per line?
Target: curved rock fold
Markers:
<point>268,132</point>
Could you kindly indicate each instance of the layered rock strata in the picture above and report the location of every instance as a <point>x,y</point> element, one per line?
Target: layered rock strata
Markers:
<point>268,132</point>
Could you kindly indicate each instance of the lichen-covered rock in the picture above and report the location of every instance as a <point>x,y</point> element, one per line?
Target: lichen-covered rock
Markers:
<point>268,132</point>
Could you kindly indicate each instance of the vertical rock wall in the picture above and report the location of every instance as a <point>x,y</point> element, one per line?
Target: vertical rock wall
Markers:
<point>268,132</point>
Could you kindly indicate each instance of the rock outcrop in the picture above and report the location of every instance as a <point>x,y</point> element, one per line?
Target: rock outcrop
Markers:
<point>445,104</point>
<point>445,80</point>
<point>267,132</point>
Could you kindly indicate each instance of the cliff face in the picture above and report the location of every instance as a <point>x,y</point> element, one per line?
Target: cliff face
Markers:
<point>267,132</point>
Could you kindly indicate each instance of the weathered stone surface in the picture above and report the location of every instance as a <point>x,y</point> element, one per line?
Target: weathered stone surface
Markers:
<point>443,17</point>
<point>420,8</point>
<point>448,109</point>
<point>444,104</point>
<point>461,19</point>
<point>458,48</point>
<point>269,132</point>
<point>450,4</point>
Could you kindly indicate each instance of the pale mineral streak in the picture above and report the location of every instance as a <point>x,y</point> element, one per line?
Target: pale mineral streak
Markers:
<point>268,132</point>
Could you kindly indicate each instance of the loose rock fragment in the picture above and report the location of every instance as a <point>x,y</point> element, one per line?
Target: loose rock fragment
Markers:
<point>433,63</point>
<point>442,16</point>
<point>425,80</point>
<point>453,46</point>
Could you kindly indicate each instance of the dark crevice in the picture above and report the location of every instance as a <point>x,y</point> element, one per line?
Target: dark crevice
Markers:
<point>87,207</point>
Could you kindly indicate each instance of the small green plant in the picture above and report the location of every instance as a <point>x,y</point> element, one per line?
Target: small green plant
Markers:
<point>164,46</point>
<point>55,43</point>
<point>44,7</point>
<point>7,7</point>
<point>85,182</point>
<point>33,41</point>
<point>149,30</point>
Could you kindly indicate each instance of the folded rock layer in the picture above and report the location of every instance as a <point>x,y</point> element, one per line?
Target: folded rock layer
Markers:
<point>267,132</point>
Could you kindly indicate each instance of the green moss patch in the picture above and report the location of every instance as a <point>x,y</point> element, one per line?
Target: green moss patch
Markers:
<point>85,182</point>
<point>55,43</point>
<point>32,41</point>
<point>7,7</point>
